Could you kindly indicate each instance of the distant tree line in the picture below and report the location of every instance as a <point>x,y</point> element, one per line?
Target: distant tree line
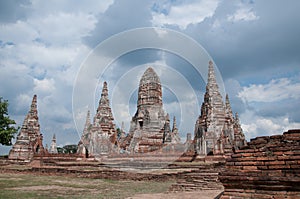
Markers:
<point>68,149</point>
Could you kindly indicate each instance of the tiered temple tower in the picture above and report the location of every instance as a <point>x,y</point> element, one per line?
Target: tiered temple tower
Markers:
<point>216,130</point>
<point>29,140</point>
<point>100,137</point>
<point>148,125</point>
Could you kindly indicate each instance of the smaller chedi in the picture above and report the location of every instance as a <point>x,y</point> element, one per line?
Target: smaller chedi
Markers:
<point>29,140</point>
<point>99,137</point>
<point>53,146</point>
<point>217,131</point>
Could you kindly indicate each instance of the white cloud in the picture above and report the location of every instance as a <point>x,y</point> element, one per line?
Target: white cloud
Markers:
<point>216,24</point>
<point>22,103</point>
<point>254,125</point>
<point>275,90</point>
<point>18,32</point>
<point>243,14</point>
<point>44,85</point>
<point>92,6</point>
<point>185,14</point>
<point>46,51</point>
<point>63,28</point>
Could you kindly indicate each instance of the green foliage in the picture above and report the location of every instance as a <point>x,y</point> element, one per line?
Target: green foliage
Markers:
<point>60,150</point>
<point>7,130</point>
<point>72,148</point>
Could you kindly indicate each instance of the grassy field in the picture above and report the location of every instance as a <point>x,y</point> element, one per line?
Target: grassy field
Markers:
<point>30,186</point>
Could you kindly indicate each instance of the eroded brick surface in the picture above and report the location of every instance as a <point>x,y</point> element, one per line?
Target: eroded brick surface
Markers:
<point>267,168</point>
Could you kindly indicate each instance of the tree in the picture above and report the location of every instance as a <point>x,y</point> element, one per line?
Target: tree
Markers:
<point>7,130</point>
<point>71,148</point>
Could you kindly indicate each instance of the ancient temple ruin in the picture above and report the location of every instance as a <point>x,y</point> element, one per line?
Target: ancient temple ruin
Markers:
<point>99,137</point>
<point>217,131</point>
<point>29,140</point>
<point>150,126</point>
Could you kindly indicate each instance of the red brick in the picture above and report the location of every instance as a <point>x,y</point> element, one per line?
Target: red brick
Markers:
<point>247,154</point>
<point>266,158</point>
<point>279,153</point>
<point>295,166</point>
<point>275,163</point>
<point>279,167</point>
<point>292,162</point>
<point>250,167</point>
<point>236,155</point>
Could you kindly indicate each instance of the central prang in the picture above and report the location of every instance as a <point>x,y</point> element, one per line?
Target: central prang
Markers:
<point>150,126</point>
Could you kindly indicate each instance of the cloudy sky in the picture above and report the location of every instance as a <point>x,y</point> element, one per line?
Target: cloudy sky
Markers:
<point>255,46</point>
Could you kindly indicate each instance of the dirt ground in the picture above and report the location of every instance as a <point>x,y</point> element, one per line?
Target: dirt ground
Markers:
<point>205,194</point>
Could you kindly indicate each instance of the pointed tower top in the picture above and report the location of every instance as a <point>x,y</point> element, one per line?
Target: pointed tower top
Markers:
<point>88,119</point>
<point>211,80</point>
<point>123,126</point>
<point>228,107</point>
<point>168,117</point>
<point>149,76</point>
<point>174,124</point>
<point>53,147</point>
<point>104,101</point>
<point>237,117</point>
<point>104,114</point>
<point>33,107</point>
<point>212,93</point>
<point>87,124</point>
<point>150,92</point>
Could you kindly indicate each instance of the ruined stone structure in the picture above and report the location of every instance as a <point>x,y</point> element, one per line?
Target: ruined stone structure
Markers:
<point>53,146</point>
<point>269,167</point>
<point>171,136</point>
<point>150,126</point>
<point>29,140</point>
<point>100,137</point>
<point>216,130</point>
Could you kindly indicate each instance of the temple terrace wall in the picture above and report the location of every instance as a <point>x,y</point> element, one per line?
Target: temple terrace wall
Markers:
<point>269,167</point>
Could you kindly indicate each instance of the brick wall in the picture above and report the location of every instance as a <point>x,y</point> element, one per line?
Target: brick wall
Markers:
<point>269,167</point>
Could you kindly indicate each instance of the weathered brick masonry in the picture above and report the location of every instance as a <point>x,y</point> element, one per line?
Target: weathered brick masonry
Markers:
<point>269,167</point>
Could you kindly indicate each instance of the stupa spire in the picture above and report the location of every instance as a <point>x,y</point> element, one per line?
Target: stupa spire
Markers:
<point>104,114</point>
<point>174,124</point>
<point>53,147</point>
<point>33,107</point>
<point>228,109</point>
<point>167,117</point>
<point>237,119</point>
<point>211,79</point>
<point>87,120</point>
<point>29,140</point>
<point>104,101</point>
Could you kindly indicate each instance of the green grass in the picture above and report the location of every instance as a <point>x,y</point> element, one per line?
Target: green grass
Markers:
<point>30,186</point>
